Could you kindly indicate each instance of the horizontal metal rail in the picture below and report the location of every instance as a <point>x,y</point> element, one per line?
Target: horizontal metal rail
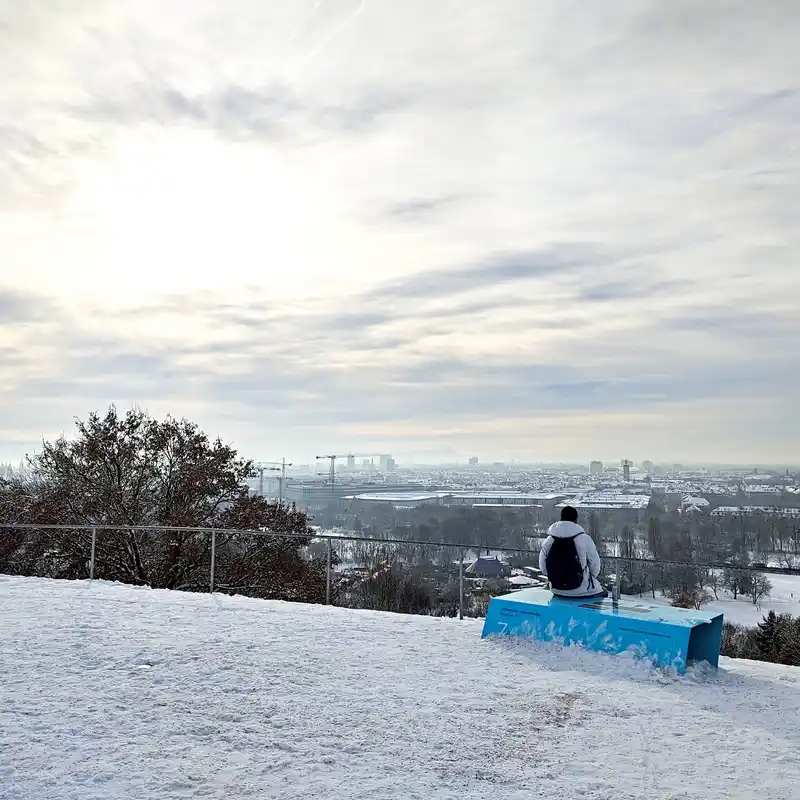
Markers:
<point>166,529</point>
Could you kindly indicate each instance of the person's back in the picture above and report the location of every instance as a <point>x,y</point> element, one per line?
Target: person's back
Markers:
<point>570,559</point>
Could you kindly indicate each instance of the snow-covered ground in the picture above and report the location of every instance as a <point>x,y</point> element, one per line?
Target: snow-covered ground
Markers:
<point>111,691</point>
<point>784,598</point>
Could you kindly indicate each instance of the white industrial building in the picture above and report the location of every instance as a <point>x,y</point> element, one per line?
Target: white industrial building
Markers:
<point>400,499</point>
<point>609,501</point>
<point>468,499</point>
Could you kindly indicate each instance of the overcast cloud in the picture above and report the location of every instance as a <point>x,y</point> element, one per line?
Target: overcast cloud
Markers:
<point>551,230</point>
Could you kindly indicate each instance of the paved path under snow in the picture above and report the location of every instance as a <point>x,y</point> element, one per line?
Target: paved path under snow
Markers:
<point>110,691</point>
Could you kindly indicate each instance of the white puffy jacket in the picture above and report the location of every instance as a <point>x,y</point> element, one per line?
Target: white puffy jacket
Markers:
<point>587,553</point>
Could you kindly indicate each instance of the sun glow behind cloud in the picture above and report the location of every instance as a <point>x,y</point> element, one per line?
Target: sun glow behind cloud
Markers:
<point>183,213</point>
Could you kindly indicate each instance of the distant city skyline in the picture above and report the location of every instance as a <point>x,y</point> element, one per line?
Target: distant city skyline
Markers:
<point>300,461</point>
<point>545,231</point>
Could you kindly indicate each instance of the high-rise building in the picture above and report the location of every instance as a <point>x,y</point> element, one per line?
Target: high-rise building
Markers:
<point>626,470</point>
<point>473,462</point>
<point>595,467</point>
<point>351,462</point>
<point>384,461</point>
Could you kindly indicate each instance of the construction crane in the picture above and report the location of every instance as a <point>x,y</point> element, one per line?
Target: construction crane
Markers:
<point>333,458</point>
<point>332,468</point>
<point>260,467</point>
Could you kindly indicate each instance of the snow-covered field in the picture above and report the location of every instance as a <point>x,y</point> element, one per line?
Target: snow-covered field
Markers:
<point>111,691</point>
<point>784,598</point>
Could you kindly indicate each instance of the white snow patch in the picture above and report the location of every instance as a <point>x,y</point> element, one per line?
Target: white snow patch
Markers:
<point>784,598</point>
<point>112,691</point>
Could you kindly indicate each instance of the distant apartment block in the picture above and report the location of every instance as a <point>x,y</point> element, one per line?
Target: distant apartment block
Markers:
<point>753,511</point>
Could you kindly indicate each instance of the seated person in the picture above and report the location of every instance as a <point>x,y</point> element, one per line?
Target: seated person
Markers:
<point>570,560</point>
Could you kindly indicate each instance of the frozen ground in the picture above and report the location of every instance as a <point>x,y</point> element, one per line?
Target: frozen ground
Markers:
<point>784,598</point>
<point>110,691</point>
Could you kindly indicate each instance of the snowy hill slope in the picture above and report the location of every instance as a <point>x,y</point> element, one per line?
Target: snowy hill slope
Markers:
<point>111,691</point>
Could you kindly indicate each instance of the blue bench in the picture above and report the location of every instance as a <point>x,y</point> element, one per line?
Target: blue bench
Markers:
<point>668,637</point>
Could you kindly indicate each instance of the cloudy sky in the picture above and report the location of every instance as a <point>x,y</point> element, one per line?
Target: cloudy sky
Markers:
<point>550,230</point>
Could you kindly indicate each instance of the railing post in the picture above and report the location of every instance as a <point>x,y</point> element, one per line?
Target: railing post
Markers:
<point>328,575</point>
<point>213,560</point>
<point>91,557</point>
<point>461,586</point>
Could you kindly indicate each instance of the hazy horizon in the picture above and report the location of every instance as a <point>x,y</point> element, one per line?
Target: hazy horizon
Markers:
<point>406,461</point>
<point>546,232</point>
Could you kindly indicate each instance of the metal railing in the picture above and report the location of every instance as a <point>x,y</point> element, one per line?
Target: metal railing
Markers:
<point>330,538</point>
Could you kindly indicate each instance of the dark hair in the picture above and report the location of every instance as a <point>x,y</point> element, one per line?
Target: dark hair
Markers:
<point>569,514</point>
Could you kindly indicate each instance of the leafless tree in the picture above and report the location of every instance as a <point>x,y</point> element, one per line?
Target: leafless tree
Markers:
<point>760,587</point>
